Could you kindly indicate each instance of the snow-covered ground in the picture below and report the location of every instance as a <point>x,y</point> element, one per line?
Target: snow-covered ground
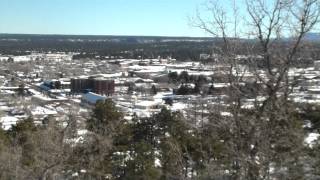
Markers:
<point>8,121</point>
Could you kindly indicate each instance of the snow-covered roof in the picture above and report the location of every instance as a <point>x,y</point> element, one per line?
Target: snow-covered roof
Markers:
<point>147,68</point>
<point>178,106</point>
<point>146,103</point>
<point>92,97</point>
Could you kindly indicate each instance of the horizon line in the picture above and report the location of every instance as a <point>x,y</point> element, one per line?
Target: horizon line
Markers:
<point>110,35</point>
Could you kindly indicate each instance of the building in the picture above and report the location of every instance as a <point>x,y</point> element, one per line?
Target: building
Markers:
<point>81,84</point>
<point>99,85</point>
<point>91,99</point>
<point>103,86</point>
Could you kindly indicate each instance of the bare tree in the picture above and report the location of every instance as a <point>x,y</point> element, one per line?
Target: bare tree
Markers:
<point>263,137</point>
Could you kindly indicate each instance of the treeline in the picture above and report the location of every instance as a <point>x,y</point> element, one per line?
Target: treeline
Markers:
<point>112,46</point>
<point>164,146</point>
<point>190,84</point>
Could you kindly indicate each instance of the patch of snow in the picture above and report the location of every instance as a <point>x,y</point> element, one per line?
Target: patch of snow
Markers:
<point>8,121</point>
<point>311,138</point>
<point>42,111</point>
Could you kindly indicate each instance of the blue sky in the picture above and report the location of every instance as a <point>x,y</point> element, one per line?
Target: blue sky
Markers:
<point>99,17</point>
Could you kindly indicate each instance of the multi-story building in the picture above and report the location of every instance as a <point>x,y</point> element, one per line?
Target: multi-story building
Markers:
<point>99,85</point>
